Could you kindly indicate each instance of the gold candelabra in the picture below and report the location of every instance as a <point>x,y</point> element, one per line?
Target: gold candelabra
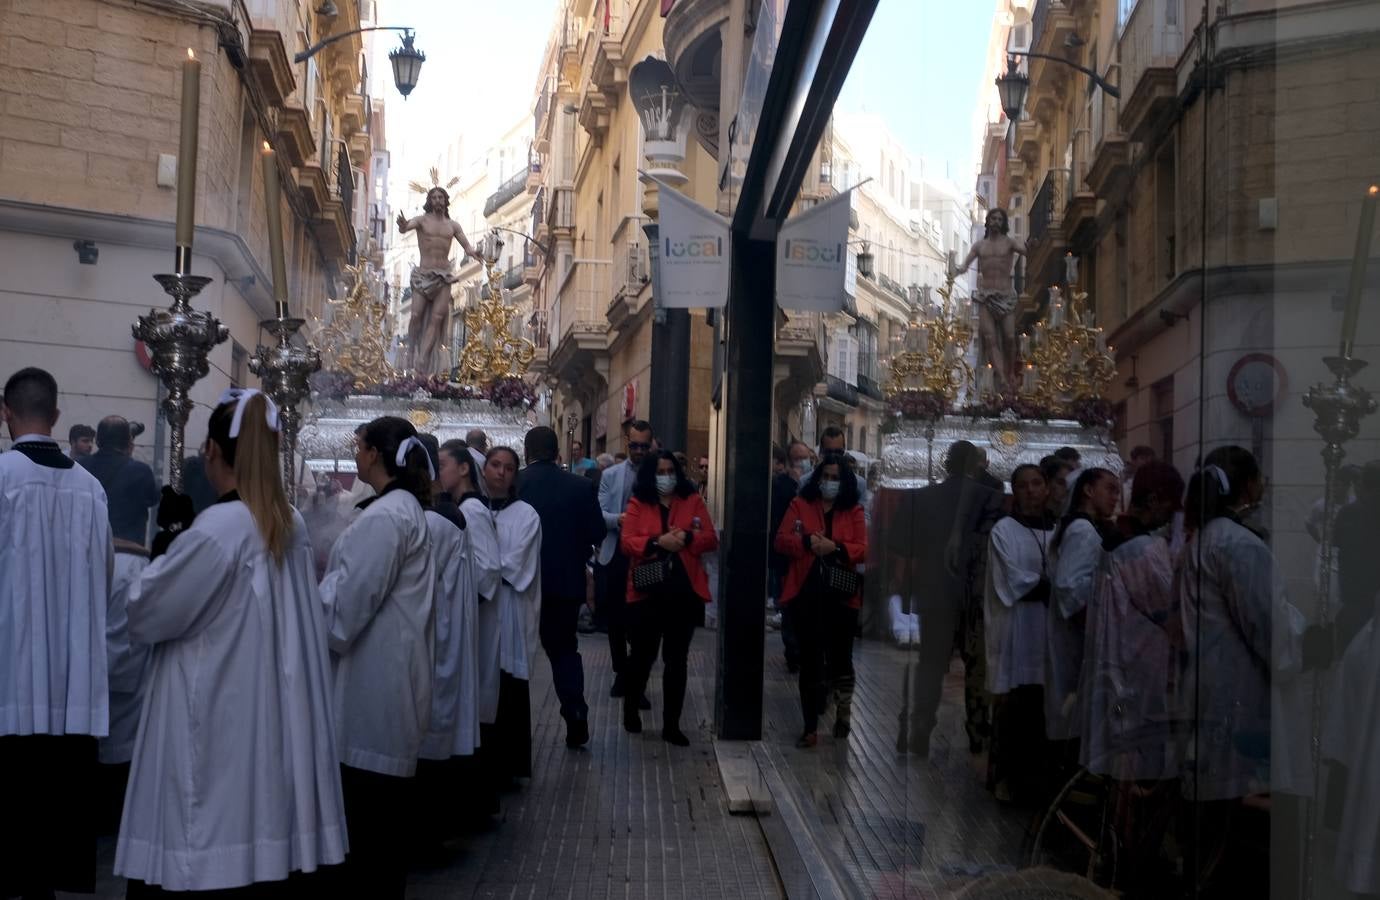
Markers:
<point>356,339</point>
<point>491,350</point>
<point>1066,358</point>
<point>933,356</point>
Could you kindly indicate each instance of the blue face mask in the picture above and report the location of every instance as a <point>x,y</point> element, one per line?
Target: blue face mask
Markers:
<point>829,489</point>
<point>803,470</point>
<point>665,484</point>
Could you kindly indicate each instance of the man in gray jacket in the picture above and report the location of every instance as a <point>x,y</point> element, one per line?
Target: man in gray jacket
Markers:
<point>615,490</point>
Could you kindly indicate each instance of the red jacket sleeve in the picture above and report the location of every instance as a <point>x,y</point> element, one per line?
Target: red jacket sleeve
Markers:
<point>854,540</point>
<point>706,540</point>
<point>788,543</point>
<point>641,525</point>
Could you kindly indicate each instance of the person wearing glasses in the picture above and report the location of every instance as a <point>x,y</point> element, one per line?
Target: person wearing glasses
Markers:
<point>615,491</point>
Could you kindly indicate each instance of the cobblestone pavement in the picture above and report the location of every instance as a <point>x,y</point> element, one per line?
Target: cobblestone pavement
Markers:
<point>887,823</point>
<point>630,817</point>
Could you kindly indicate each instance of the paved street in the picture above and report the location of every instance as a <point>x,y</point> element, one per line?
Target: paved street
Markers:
<point>631,817</point>
<point>635,818</point>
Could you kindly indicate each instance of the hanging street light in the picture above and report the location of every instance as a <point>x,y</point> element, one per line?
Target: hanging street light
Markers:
<point>407,64</point>
<point>407,60</point>
<point>1012,88</point>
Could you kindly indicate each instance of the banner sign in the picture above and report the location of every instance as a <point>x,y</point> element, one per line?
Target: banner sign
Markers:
<point>812,258</point>
<point>693,253</point>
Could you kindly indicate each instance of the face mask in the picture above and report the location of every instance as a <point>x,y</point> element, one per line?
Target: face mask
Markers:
<point>803,469</point>
<point>665,484</point>
<point>828,489</point>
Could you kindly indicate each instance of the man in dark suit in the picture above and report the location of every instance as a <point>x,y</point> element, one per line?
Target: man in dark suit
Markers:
<point>936,531</point>
<point>572,526</point>
<point>129,485</point>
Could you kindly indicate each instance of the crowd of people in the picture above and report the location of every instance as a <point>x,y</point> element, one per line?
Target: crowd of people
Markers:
<point>258,715</point>
<point>276,701</point>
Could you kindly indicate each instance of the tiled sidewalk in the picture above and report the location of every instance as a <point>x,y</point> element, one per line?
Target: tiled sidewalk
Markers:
<point>884,823</point>
<point>630,817</point>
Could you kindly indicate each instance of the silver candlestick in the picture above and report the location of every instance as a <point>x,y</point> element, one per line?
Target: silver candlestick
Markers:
<point>1339,408</point>
<point>179,339</point>
<point>284,369</point>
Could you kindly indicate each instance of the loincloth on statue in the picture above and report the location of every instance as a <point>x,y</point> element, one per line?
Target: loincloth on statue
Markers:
<point>1001,303</point>
<point>428,281</point>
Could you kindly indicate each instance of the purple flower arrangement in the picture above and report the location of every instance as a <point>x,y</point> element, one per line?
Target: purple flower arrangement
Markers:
<point>1091,412</point>
<point>924,405</point>
<point>505,393</point>
<point>994,405</point>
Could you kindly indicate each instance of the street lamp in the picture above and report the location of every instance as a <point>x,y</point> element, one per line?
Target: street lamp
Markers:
<point>1012,88</point>
<point>1014,85</point>
<point>407,60</point>
<point>865,259</point>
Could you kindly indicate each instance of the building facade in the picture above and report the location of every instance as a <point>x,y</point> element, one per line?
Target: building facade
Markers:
<point>1214,208</point>
<point>88,145</point>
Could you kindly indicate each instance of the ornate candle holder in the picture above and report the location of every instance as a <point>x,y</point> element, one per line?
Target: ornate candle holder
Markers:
<point>179,339</point>
<point>1339,408</point>
<point>284,369</point>
<point>492,351</point>
<point>1067,355</point>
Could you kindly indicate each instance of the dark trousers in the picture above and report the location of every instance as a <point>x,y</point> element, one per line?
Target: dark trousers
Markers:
<point>560,618</point>
<point>1019,748</point>
<point>113,780</point>
<point>825,627</point>
<point>48,810</point>
<point>790,642</point>
<point>376,813</point>
<point>297,886</point>
<point>613,598</point>
<point>938,621</point>
<point>662,623</point>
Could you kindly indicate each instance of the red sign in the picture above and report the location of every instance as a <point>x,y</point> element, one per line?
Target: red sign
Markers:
<point>630,401</point>
<point>1255,384</point>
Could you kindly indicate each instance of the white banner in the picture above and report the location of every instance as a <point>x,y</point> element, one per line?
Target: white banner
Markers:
<point>694,253</point>
<point>812,257</point>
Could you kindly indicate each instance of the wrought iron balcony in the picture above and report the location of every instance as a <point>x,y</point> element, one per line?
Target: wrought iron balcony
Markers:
<point>515,185</point>
<point>840,390</point>
<point>1048,209</point>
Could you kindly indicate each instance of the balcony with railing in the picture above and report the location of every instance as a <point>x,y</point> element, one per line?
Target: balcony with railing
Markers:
<point>800,341</point>
<point>560,212</point>
<point>1111,153</point>
<point>632,270</point>
<point>515,186</point>
<point>1081,204</point>
<point>1051,23</point>
<point>582,345</point>
<point>1047,241</point>
<point>839,390</point>
<point>1151,43</point>
<point>610,71</point>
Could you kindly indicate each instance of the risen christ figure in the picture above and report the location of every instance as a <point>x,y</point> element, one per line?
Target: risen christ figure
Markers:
<point>432,279</point>
<point>996,296</point>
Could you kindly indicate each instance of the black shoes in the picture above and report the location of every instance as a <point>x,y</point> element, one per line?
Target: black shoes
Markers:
<point>576,732</point>
<point>617,690</point>
<point>674,736</point>
<point>632,720</point>
<point>842,728</point>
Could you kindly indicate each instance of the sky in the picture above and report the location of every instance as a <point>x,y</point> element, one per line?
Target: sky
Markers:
<point>918,67</point>
<point>479,77</point>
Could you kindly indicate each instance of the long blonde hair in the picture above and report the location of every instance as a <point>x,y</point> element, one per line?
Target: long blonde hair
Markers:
<point>254,457</point>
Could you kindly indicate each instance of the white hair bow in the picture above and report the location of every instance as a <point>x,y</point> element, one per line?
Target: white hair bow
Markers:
<point>239,397</point>
<point>406,446</point>
<point>1221,476</point>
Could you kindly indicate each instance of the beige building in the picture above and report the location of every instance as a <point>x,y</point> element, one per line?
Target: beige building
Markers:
<point>592,291</point>
<point>1214,206</point>
<point>88,143</point>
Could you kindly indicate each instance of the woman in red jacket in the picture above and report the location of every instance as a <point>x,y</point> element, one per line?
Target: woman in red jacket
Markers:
<point>824,535</point>
<point>666,525</point>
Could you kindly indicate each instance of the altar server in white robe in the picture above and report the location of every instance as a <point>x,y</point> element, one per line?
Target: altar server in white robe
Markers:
<point>55,574</point>
<point>1016,615</point>
<point>234,787</point>
<point>453,731</point>
<point>127,668</point>
<point>1077,551</point>
<point>379,594</point>
<point>517,541</point>
<point>1133,639</point>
